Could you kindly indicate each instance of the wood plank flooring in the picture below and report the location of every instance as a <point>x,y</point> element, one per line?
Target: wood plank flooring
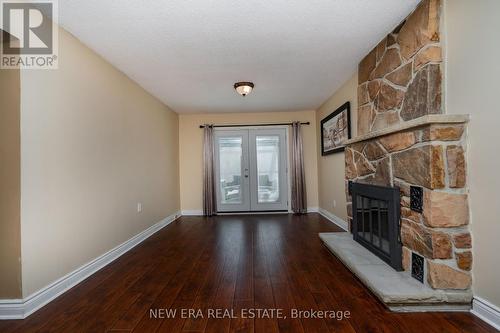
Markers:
<point>237,263</point>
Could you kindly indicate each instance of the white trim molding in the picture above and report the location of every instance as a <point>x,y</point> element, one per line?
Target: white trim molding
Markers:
<point>192,213</point>
<point>334,218</point>
<point>486,311</point>
<point>11,309</point>
<point>200,212</point>
<point>22,308</point>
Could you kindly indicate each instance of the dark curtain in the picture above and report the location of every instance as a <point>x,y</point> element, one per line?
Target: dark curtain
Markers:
<point>299,197</point>
<point>209,195</point>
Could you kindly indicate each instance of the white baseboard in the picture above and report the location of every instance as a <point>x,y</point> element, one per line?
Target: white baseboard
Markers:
<point>334,218</point>
<point>200,212</point>
<point>11,309</point>
<point>486,311</point>
<point>22,308</point>
<point>192,213</point>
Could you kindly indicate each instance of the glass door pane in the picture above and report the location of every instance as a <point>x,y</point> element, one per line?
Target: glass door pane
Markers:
<point>268,183</point>
<point>232,176</point>
<point>230,152</point>
<point>268,161</point>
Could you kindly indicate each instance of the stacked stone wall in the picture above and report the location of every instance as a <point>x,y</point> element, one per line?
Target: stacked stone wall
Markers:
<point>400,80</point>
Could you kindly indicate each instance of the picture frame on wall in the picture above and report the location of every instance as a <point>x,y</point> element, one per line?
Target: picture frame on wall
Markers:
<point>336,130</point>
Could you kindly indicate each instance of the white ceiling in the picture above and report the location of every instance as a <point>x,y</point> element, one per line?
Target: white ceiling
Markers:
<point>189,53</point>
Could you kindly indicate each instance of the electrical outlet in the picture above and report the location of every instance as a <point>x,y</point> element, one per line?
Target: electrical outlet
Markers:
<point>139,207</point>
<point>334,203</point>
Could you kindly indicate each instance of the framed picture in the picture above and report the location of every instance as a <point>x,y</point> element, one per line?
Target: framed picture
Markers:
<point>336,130</point>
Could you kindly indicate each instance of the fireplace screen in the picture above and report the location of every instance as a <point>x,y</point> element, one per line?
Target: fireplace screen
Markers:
<point>376,212</point>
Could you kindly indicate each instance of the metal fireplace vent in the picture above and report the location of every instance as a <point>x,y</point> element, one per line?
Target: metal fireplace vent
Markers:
<point>376,212</point>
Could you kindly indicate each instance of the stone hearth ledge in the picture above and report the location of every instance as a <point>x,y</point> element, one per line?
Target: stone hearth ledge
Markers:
<point>397,290</point>
<point>419,122</point>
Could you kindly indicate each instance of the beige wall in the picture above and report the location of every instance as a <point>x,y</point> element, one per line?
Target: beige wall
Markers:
<point>331,168</point>
<point>472,72</point>
<point>191,139</point>
<point>10,185</point>
<point>94,144</point>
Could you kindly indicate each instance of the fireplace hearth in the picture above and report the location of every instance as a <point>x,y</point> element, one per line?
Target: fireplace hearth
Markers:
<point>376,221</point>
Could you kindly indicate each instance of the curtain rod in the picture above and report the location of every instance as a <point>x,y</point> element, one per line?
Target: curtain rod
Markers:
<point>248,125</point>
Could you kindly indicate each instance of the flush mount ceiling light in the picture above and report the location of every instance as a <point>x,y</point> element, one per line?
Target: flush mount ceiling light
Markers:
<point>243,88</point>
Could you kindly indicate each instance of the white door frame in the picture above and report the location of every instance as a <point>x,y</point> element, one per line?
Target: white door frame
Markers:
<point>287,173</point>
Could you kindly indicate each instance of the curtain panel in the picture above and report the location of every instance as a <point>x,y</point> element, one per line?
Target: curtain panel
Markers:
<point>209,195</point>
<point>298,179</point>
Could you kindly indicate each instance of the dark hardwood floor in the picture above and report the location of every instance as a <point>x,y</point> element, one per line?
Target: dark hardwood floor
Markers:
<point>230,262</point>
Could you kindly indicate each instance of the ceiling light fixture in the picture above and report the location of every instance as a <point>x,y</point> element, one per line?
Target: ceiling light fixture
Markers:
<point>243,88</point>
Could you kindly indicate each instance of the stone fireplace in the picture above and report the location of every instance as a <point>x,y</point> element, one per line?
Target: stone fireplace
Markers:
<point>405,140</point>
<point>426,154</point>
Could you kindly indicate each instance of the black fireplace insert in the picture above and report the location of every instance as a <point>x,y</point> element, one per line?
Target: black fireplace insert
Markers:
<point>376,213</point>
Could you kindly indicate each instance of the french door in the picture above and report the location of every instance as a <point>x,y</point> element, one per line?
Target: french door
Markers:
<point>251,170</point>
